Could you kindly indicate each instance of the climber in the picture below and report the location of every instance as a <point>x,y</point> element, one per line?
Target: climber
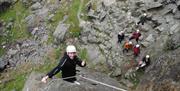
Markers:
<point>143,19</point>
<point>136,50</point>
<point>135,35</point>
<point>120,36</point>
<point>127,46</point>
<point>144,62</point>
<point>67,65</point>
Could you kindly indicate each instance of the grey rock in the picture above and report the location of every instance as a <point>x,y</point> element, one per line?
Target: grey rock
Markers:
<point>150,38</point>
<point>30,20</point>
<point>116,72</point>
<point>162,28</point>
<point>84,40</point>
<point>60,32</point>
<point>102,16</point>
<point>91,14</point>
<point>42,14</point>
<point>12,52</point>
<point>2,64</point>
<point>97,58</point>
<point>92,39</point>
<point>166,64</point>
<point>109,2</point>
<point>36,6</point>
<point>177,15</point>
<point>50,17</point>
<point>175,28</point>
<point>178,3</point>
<point>145,44</point>
<point>34,30</point>
<point>152,5</point>
<point>34,84</point>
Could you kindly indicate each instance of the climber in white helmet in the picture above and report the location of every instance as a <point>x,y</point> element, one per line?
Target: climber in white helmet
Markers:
<point>67,65</point>
<point>144,62</point>
<point>143,19</point>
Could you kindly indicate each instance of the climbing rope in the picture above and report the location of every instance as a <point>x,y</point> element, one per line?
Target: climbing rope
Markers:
<point>45,89</point>
<point>98,82</point>
<point>81,76</point>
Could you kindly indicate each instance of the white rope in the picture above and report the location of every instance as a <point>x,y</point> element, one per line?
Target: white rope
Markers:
<point>45,89</point>
<point>98,82</point>
<point>120,89</point>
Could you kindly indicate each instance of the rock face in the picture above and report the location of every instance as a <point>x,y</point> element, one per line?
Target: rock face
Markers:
<point>3,64</point>
<point>163,75</point>
<point>33,83</point>
<point>60,32</point>
<point>106,21</point>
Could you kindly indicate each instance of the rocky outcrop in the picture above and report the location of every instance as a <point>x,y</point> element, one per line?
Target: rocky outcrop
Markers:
<point>33,83</point>
<point>105,21</point>
<point>60,32</point>
<point>163,75</point>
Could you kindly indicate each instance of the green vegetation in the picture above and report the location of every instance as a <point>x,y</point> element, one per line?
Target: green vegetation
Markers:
<point>83,54</point>
<point>136,79</point>
<point>16,30</point>
<point>16,81</point>
<point>70,9</point>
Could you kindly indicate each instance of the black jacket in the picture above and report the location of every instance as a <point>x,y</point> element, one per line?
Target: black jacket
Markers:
<point>67,66</point>
<point>147,61</point>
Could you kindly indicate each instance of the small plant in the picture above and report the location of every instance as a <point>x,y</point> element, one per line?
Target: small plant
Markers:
<point>83,54</point>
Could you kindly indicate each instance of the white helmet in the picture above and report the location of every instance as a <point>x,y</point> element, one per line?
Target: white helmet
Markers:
<point>121,32</point>
<point>137,30</point>
<point>145,14</point>
<point>147,56</point>
<point>130,42</point>
<point>71,48</point>
<point>137,45</point>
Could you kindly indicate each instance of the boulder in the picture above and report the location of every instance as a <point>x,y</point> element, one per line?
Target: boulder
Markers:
<point>36,6</point>
<point>33,83</point>
<point>2,64</point>
<point>30,20</point>
<point>108,2</point>
<point>174,29</point>
<point>60,32</point>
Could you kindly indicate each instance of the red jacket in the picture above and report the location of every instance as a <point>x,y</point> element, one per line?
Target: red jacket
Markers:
<point>136,50</point>
<point>136,35</point>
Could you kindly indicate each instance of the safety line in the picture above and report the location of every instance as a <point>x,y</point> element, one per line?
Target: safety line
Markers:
<point>120,89</point>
